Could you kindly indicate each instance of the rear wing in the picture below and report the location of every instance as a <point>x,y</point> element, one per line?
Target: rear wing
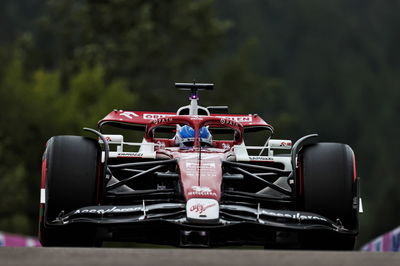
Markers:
<point>144,118</point>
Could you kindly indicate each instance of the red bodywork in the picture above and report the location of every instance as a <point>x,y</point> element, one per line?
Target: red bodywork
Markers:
<point>143,118</point>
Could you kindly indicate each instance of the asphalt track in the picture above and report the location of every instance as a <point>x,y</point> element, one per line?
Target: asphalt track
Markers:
<point>188,257</point>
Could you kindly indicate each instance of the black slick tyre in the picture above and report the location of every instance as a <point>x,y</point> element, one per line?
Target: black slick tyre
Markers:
<point>72,179</point>
<point>328,189</point>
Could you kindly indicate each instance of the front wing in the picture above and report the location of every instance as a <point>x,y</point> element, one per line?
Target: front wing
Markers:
<point>166,223</point>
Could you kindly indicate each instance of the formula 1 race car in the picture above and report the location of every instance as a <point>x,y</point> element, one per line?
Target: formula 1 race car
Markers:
<point>188,179</point>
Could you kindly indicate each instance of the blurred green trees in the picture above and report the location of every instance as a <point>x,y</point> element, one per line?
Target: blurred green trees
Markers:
<point>35,108</point>
<point>67,64</point>
<point>306,66</point>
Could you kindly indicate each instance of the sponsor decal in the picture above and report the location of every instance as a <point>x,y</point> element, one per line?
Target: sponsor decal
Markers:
<point>129,115</point>
<point>155,116</point>
<point>200,208</point>
<point>108,210</point>
<point>224,121</point>
<point>201,191</point>
<point>261,158</point>
<point>195,165</point>
<point>286,144</point>
<point>129,154</point>
<point>278,143</point>
<point>237,118</point>
<point>162,120</point>
<point>112,139</point>
<point>192,174</point>
<point>297,216</point>
<point>196,117</point>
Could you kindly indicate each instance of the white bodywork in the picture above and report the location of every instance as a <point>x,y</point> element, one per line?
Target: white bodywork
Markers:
<point>241,152</point>
<point>146,149</point>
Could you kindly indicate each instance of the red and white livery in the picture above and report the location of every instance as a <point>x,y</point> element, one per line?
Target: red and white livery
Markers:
<point>135,178</point>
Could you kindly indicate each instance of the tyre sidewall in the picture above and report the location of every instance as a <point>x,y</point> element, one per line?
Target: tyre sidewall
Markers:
<point>72,180</point>
<point>328,182</point>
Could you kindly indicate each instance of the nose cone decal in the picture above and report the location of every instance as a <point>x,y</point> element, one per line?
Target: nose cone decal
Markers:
<point>202,209</point>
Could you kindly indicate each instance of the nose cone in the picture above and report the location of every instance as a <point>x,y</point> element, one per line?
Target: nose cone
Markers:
<point>201,175</point>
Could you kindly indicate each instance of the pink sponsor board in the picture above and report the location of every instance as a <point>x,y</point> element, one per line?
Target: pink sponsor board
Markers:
<point>13,240</point>
<point>387,242</point>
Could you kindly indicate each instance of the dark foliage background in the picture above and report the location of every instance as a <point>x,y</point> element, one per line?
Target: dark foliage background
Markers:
<point>331,67</point>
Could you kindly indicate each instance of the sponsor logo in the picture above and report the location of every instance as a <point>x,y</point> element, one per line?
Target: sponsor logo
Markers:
<point>112,138</point>
<point>260,158</point>
<point>201,191</point>
<point>297,216</point>
<point>109,210</point>
<point>286,144</point>
<point>196,117</point>
<point>224,121</point>
<point>203,165</point>
<point>237,118</point>
<point>129,115</point>
<point>155,116</point>
<point>162,120</point>
<point>129,154</point>
<point>200,208</point>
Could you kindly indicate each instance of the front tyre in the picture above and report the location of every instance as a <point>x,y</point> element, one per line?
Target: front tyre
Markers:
<point>329,189</point>
<point>71,177</point>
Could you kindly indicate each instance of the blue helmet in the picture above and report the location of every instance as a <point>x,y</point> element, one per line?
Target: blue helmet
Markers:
<point>185,136</point>
<point>186,132</point>
<point>205,135</point>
